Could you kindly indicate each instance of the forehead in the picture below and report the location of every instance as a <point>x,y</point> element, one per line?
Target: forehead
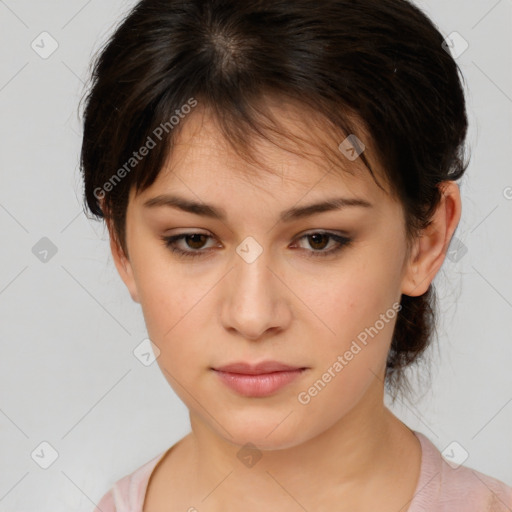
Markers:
<point>302,156</point>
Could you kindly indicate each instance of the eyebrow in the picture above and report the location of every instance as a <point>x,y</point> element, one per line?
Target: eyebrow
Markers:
<point>297,212</point>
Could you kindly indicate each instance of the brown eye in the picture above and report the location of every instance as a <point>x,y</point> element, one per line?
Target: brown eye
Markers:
<point>197,240</point>
<point>320,240</point>
<point>193,241</point>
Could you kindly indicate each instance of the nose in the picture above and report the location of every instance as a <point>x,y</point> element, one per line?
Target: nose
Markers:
<point>255,303</point>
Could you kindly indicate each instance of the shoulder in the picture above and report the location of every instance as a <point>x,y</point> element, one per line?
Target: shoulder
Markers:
<point>106,504</point>
<point>127,494</point>
<point>444,486</point>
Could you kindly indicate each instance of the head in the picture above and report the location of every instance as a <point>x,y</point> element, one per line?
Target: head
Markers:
<point>253,109</point>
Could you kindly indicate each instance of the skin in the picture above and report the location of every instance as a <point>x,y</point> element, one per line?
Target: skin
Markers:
<point>344,450</point>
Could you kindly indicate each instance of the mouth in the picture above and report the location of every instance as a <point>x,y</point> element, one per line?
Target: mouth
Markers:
<point>259,380</point>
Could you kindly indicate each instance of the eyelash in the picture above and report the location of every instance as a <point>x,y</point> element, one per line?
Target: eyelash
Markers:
<point>169,242</point>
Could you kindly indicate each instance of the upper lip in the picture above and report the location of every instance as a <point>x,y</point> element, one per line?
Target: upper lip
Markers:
<point>257,369</point>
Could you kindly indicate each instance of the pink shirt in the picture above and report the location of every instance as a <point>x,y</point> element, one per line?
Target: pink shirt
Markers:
<point>440,488</point>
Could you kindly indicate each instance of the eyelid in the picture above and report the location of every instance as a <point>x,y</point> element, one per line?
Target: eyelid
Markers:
<point>336,232</point>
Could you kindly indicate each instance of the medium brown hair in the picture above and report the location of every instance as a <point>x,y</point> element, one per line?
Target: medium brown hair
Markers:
<point>374,68</point>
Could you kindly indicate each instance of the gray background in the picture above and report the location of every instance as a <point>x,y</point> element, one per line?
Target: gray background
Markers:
<point>68,327</point>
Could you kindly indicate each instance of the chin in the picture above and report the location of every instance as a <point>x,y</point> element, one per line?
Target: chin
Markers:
<point>265,431</point>
<point>245,439</point>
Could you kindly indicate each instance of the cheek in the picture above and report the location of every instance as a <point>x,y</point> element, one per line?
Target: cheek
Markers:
<point>352,360</point>
<point>351,301</point>
<point>360,307</point>
<point>177,310</point>
<point>165,297</point>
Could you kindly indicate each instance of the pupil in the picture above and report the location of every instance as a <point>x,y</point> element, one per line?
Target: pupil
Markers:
<point>316,237</point>
<point>195,237</point>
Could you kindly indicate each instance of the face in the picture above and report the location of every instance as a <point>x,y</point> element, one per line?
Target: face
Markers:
<point>317,292</point>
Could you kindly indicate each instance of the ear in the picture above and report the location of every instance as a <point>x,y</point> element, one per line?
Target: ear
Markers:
<point>430,248</point>
<point>122,264</point>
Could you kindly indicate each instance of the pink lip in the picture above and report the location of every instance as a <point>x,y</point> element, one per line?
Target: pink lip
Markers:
<point>258,380</point>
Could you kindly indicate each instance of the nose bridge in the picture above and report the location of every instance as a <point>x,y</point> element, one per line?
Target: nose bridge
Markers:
<point>252,277</point>
<point>254,264</point>
<point>254,304</point>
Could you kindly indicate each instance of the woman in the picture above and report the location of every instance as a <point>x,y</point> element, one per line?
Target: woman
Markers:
<point>279,183</point>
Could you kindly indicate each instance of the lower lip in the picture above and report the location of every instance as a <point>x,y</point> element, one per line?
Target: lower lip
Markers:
<point>258,385</point>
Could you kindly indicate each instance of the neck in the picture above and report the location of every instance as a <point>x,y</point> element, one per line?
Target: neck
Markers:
<point>347,457</point>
